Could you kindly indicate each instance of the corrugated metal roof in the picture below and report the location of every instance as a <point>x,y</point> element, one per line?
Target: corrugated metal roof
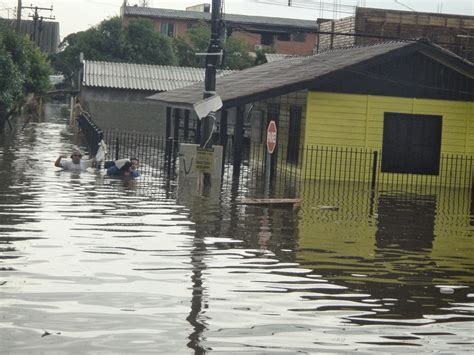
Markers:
<point>299,73</point>
<point>238,19</point>
<point>141,76</point>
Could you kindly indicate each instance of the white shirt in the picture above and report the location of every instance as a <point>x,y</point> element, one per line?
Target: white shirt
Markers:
<point>82,166</point>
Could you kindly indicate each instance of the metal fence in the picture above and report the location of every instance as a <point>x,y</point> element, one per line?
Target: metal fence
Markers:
<point>291,172</point>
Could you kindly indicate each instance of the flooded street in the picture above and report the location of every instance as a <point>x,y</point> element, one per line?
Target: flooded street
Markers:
<point>91,264</point>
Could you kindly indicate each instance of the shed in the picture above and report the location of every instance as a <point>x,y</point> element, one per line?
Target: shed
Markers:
<point>114,93</point>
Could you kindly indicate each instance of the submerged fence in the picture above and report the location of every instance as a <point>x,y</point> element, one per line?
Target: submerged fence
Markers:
<point>292,170</point>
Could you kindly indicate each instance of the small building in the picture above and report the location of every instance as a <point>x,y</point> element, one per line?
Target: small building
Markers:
<point>115,93</point>
<point>368,25</point>
<point>44,33</point>
<point>412,102</point>
<point>286,36</point>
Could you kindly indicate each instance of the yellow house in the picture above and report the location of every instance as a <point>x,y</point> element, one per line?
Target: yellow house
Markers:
<point>395,113</point>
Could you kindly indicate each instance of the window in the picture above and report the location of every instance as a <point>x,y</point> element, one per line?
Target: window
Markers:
<point>299,37</point>
<point>273,113</point>
<point>284,37</point>
<point>411,143</point>
<point>267,39</point>
<point>167,29</point>
<point>294,135</point>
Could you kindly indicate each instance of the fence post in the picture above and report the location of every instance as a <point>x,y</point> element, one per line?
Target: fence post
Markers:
<point>168,155</point>
<point>374,170</point>
<point>117,146</point>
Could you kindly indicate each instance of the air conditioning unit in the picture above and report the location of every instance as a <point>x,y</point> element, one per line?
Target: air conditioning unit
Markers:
<point>258,47</point>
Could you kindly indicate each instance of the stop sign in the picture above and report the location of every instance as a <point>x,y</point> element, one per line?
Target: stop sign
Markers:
<point>271,137</point>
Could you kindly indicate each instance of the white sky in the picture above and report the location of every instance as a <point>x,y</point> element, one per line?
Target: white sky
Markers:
<point>79,15</point>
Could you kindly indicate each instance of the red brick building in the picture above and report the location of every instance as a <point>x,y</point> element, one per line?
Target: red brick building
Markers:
<point>287,36</point>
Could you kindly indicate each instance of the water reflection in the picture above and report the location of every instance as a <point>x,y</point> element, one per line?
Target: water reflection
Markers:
<point>103,265</point>
<point>397,256</point>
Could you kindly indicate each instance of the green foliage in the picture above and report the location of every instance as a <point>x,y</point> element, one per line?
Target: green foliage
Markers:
<point>237,54</point>
<point>23,70</point>
<point>197,41</point>
<point>186,54</point>
<point>10,81</point>
<point>146,46</point>
<point>110,41</point>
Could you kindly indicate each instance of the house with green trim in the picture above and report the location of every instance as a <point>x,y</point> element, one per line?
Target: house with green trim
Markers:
<point>411,102</point>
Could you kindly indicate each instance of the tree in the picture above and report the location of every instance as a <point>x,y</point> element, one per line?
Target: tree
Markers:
<point>236,50</point>
<point>237,54</point>
<point>111,41</point>
<point>23,70</point>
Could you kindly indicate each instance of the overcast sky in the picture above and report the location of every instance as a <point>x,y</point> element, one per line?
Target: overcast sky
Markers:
<point>79,15</point>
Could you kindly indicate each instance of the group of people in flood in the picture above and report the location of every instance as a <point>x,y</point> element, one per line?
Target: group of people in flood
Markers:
<point>122,168</point>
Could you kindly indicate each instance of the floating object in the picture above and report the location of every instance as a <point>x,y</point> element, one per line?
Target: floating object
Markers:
<point>446,290</point>
<point>276,202</point>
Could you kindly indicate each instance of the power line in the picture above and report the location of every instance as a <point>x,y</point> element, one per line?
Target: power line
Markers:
<point>323,6</point>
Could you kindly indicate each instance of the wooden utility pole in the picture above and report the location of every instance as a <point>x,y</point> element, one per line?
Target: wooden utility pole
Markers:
<point>212,58</point>
<point>37,20</point>
<point>18,17</point>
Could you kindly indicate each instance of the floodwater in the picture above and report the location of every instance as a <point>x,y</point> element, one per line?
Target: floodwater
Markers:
<point>90,264</point>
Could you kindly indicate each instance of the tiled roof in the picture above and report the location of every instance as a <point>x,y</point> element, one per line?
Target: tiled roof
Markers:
<point>49,34</point>
<point>299,73</point>
<point>141,76</point>
<point>230,18</point>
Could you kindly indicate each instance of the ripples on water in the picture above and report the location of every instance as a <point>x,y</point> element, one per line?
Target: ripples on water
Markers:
<point>93,264</point>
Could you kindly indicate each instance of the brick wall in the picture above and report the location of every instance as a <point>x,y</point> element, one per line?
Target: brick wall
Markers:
<point>329,41</point>
<point>443,29</point>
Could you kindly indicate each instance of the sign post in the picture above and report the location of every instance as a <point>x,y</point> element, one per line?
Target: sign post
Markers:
<point>271,145</point>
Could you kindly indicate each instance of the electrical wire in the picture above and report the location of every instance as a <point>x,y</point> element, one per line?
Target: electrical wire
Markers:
<point>212,115</point>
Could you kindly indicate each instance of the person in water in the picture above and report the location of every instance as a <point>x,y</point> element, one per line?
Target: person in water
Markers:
<point>76,164</point>
<point>123,167</point>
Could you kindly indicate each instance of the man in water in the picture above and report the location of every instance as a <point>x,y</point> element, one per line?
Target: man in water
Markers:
<point>76,164</point>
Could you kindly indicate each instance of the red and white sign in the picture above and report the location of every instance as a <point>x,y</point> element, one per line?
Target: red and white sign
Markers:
<point>271,137</point>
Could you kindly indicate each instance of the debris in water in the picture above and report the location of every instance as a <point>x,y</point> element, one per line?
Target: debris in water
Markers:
<point>446,290</point>
<point>46,333</point>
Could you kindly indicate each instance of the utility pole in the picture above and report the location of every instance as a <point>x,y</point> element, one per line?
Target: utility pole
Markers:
<point>213,53</point>
<point>38,21</point>
<point>18,17</point>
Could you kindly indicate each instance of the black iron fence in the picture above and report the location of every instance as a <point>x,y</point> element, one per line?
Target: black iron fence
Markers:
<point>291,171</point>
<point>92,133</point>
<point>311,164</point>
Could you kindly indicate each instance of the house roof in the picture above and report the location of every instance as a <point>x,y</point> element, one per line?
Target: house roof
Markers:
<point>48,36</point>
<point>273,57</point>
<point>300,73</point>
<point>141,76</point>
<point>228,18</point>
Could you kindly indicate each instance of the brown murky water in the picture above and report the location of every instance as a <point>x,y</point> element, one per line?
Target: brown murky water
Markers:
<point>90,264</point>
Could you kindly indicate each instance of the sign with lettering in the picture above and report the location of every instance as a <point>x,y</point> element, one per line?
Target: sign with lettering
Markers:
<point>271,137</point>
<point>204,160</point>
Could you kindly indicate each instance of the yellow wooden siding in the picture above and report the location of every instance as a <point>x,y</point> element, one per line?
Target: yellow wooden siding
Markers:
<point>346,120</point>
<point>334,238</point>
<point>470,130</point>
<point>334,118</point>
